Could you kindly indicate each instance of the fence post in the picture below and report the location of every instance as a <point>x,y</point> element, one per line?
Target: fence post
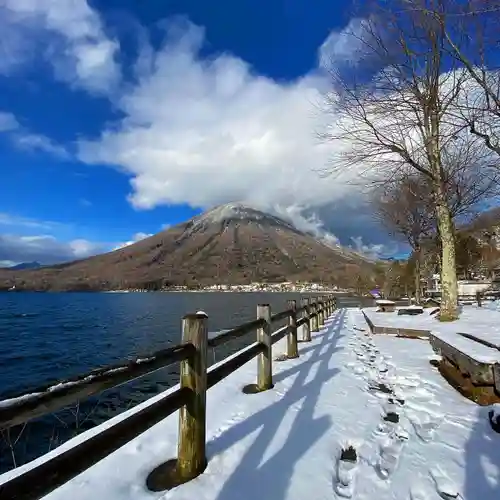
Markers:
<point>321,311</point>
<point>264,359</point>
<point>307,324</point>
<point>478,298</point>
<point>292,349</point>
<point>323,314</point>
<point>314,312</point>
<point>191,459</point>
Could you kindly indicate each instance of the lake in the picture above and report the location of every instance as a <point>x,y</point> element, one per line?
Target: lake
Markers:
<point>45,337</point>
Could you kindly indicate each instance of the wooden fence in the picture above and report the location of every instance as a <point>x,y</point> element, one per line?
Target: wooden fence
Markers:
<point>189,398</point>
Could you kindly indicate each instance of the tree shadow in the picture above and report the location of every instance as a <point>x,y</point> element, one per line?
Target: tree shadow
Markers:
<point>269,480</point>
<point>482,460</point>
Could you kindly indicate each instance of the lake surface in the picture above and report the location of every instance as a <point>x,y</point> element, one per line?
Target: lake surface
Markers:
<point>45,337</point>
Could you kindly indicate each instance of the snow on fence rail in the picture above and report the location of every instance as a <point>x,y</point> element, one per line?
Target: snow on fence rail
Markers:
<point>189,398</point>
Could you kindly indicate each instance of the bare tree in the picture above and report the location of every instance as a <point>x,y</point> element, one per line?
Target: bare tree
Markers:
<point>396,120</point>
<point>472,38</point>
<point>403,208</point>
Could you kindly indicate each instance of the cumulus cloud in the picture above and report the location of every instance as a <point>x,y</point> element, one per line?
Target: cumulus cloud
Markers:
<point>68,33</point>
<point>45,249</point>
<point>194,130</point>
<point>205,132</point>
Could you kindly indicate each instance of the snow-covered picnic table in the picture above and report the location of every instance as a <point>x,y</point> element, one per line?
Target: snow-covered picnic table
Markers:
<point>482,322</point>
<point>385,305</point>
<point>284,444</point>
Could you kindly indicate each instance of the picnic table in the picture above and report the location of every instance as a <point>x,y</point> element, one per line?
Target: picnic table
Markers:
<point>477,361</point>
<point>385,305</point>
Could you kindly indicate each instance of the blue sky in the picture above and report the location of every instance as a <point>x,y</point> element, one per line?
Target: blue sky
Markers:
<point>119,118</point>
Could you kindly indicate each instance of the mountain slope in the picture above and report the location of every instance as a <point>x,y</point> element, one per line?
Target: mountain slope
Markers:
<point>229,244</point>
<point>25,265</point>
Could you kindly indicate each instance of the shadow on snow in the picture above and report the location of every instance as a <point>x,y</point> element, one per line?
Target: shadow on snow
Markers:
<point>270,480</point>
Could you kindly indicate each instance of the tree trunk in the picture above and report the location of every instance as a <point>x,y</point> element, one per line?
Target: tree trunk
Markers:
<point>449,287</point>
<point>418,287</point>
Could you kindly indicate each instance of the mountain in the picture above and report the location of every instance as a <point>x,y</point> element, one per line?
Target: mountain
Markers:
<point>229,244</point>
<point>26,265</point>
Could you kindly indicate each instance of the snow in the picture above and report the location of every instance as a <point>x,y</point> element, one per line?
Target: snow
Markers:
<point>414,307</point>
<point>496,411</point>
<point>236,211</point>
<point>4,403</point>
<point>473,349</point>
<point>383,302</point>
<point>473,320</point>
<point>284,444</point>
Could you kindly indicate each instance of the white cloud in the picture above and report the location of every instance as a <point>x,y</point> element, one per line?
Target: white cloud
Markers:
<point>37,142</point>
<point>8,263</point>
<point>205,132</point>
<point>198,131</point>
<point>24,139</point>
<point>84,202</point>
<point>8,121</point>
<point>68,33</point>
<point>19,221</point>
<point>135,238</point>
<point>374,251</point>
<point>45,249</point>
<point>345,46</point>
<point>308,223</point>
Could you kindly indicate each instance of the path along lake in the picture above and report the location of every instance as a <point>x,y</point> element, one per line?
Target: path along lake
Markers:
<point>46,337</point>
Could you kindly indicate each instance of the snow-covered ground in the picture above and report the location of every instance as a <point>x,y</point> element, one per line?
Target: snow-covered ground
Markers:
<point>483,322</point>
<point>284,444</point>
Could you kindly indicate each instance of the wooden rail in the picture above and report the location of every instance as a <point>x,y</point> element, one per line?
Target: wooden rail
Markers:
<point>189,398</point>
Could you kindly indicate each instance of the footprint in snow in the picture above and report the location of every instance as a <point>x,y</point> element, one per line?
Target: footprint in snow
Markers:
<point>347,467</point>
<point>445,487</point>
<point>388,425</point>
<point>359,370</point>
<point>390,452</point>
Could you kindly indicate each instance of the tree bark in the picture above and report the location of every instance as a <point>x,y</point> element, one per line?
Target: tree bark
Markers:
<point>449,287</point>
<point>418,287</point>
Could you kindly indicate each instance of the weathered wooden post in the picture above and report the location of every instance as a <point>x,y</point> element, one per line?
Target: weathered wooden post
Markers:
<point>264,359</point>
<point>307,324</point>
<point>191,460</point>
<point>478,298</point>
<point>292,348</point>
<point>321,311</point>
<point>314,312</point>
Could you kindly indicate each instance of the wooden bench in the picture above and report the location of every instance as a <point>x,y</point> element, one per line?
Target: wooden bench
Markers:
<point>386,305</point>
<point>477,364</point>
<point>410,311</point>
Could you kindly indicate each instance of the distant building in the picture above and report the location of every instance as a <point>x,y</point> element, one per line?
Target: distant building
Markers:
<point>465,287</point>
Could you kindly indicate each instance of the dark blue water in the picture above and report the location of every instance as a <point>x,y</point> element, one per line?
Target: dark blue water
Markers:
<point>48,337</point>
